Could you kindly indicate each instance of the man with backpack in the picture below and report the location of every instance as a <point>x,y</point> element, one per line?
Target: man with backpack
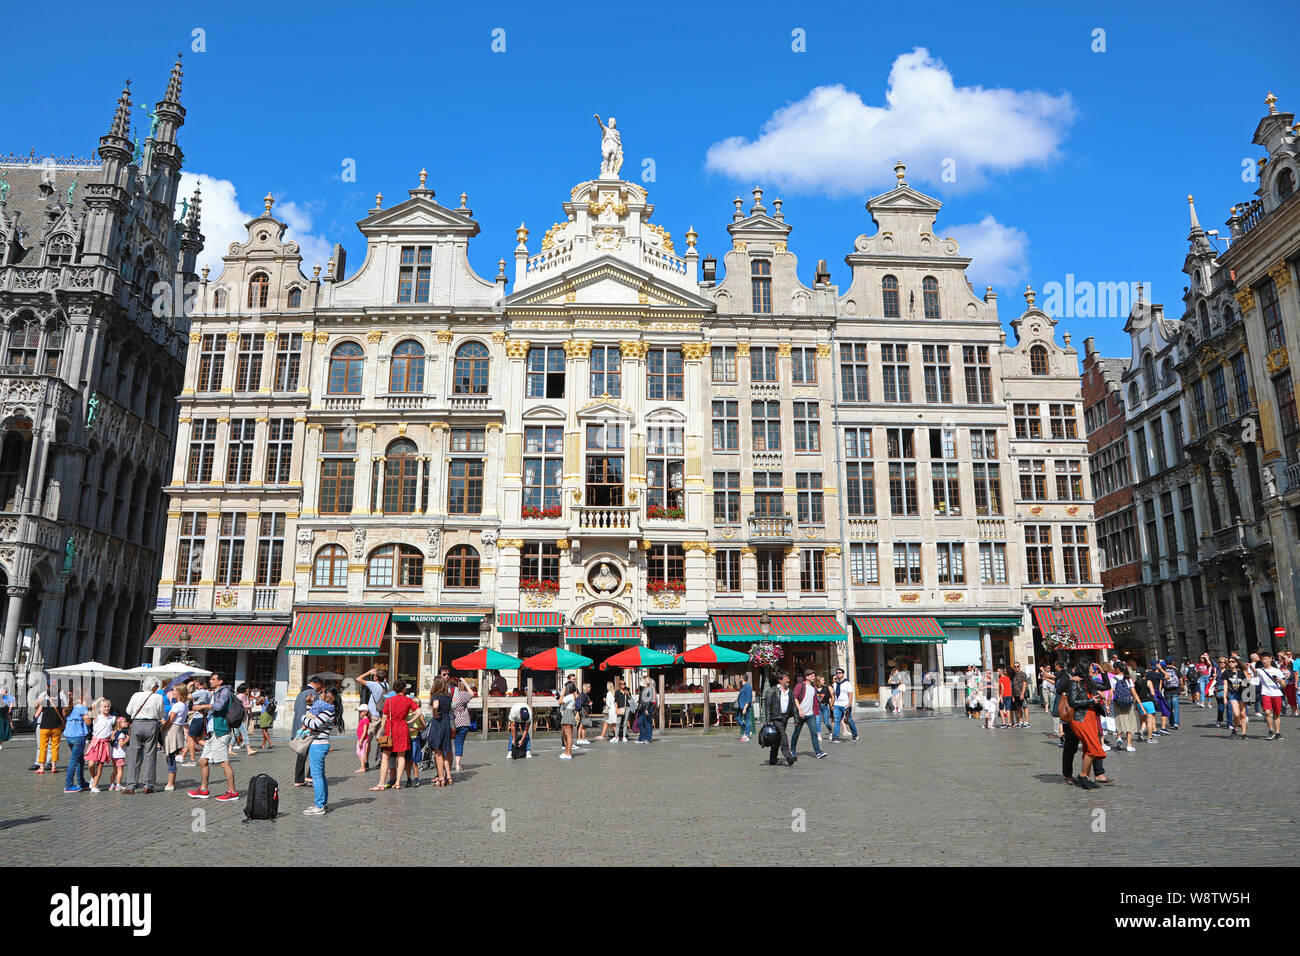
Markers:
<point>1172,689</point>
<point>223,710</point>
<point>843,688</point>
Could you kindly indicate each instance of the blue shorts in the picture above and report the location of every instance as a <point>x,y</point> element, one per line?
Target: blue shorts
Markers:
<point>1008,703</point>
<point>1149,707</point>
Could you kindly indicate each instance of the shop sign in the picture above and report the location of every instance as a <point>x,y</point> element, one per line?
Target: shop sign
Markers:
<point>439,618</point>
<point>979,621</point>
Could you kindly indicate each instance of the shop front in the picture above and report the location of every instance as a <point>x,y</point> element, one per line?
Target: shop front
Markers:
<point>240,653</point>
<point>809,640</point>
<point>886,644</point>
<point>525,633</point>
<point>671,635</point>
<point>598,643</point>
<point>1085,623</point>
<point>338,646</point>
<point>430,638</point>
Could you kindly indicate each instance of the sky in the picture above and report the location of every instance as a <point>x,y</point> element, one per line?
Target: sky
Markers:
<point>1062,143</point>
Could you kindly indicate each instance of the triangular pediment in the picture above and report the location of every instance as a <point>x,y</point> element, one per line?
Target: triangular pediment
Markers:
<point>608,281</point>
<point>419,214</point>
<point>904,199</point>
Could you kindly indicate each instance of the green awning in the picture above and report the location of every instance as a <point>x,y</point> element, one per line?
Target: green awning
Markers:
<point>782,628</point>
<point>674,621</point>
<point>898,630</point>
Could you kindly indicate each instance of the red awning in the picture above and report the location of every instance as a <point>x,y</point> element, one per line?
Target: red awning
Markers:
<point>1085,622</point>
<point>530,621</point>
<point>244,637</point>
<point>602,635</point>
<point>338,631</point>
<point>899,630</point>
<point>783,628</point>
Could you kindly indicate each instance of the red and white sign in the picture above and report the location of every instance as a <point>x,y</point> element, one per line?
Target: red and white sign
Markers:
<point>1279,632</point>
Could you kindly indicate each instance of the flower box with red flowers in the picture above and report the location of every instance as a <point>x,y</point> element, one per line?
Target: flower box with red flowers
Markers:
<point>534,584</point>
<point>536,514</point>
<point>669,514</point>
<point>655,586</point>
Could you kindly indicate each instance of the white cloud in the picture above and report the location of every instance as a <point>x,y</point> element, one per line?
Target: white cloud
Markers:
<point>833,142</point>
<point>999,254</point>
<point>223,223</point>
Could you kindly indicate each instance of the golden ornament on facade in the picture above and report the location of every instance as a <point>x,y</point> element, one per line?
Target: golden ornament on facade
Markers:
<point>954,596</point>
<point>694,351</point>
<point>911,597</point>
<point>779,246</point>
<point>833,550</point>
<point>632,350</point>
<point>1042,592</point>
<point>195,337</point>
<point>1036,510</point>
<point>742,348</point>
<point>515,543</point>
<point>517,348</point>
<point>232,336</point>
<point>374,335</point>
<point>1080,592</point>
<point>695,546</point>
<point>498,337</point>
<point>747,550</point>
<point>577,495</point>
<point>663,234</point>
<point>446,335</point>
<point>783,349</point>
<point>1280,274</point>
<point>1245,300</point>
<point>578,348</point>
<point>1277,360</point>
<point>1072,510</point>
<point>738,246</point>
<point>823,351</point>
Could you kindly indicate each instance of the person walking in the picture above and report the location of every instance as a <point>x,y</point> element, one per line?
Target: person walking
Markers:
<point>1126,706</point>
<point>318,722</point>
<point>49,730</point>
<point>745,708</point>
<point>256,708</point>
<point>148,713</point>
<point>842,712</point>
<point>440,730</point>
<point>1235,681</point>
<point>1172,692</point>
<point>1084,707</point>
<point>646,709</point>
<point>568,718</point>
<point>306,697</point>
<point>825,705</point>
<point>805,697</point>
<point>460,718</point>
<point>394,736</point>
<point>7,702</point>
<point>1271,694</point>
<point>75,728</point>
<point>238,735</point>
<point>216,744</point>
<point>896,677</point>
<point>623,703</point>
<point>780,708</point>
<point>377,690</point>
<point>1020,694</point>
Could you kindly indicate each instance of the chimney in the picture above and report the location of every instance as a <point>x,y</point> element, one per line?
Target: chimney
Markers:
<point>1089,346</point>
<point>340,262</point>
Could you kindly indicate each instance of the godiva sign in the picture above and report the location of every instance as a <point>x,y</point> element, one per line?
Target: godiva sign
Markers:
<point>978,621</point>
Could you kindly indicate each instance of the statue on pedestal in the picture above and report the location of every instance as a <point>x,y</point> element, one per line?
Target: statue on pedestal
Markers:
<point>611,148</point>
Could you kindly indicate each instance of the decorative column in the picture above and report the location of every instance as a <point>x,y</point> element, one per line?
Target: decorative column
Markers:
<point>232,354</point>
<point>693,354</point>
<point>305,365</point>
<point>191,374</point>
<point>310,469</point>
<point>440,439</point>
<point>221,451</point>
<point>512,475</point>
<point>261,432</point>
<point>364,470</point>
<point>370,380</point>
<point>268,362</point>
<point>748,576</point>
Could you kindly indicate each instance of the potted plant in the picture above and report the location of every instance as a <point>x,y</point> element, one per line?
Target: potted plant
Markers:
<point>539,585</point>
<point>536,514</point>
<point>669,514</point>
<point>659,586</point>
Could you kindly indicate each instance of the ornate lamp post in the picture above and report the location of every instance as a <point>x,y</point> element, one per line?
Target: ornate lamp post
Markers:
<point>185,649</point>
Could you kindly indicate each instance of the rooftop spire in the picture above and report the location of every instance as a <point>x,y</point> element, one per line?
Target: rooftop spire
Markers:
<point>173,94</point>
<point>1191,206</point>
<point>1271,100</point>
<point>122,115</point>
<point>195,211</point>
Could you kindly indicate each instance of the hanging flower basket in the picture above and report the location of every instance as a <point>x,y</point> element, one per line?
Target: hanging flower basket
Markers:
<point>536,514</point>
<point>654,586</point>
<point>765,654</point>
<point>533,584</point>
<point>670,514</point>
<point>1058,642</point>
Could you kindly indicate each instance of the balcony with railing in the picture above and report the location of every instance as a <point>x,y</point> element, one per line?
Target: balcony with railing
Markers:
<point>410,401</point>
<point>1291,474</point>
<point>620,520</point>
<point>991,529</point>
<point>185,598</point>
<point>341,403</point>
<point>771,528</point>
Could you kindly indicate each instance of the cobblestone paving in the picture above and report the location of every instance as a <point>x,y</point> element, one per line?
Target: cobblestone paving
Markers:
<point>942,792</point>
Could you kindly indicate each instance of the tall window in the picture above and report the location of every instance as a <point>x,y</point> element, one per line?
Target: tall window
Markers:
<point>889,296</point>
<point>470,375</point>
<point>54,346</point>
<point>413,274</point>
<point>189,550</point>
<point>279,451</point>
<point>1219,388</point>
<point>248,362</point>
<point>664,381</point>
<point>853,373</point>
<point>1069,479</point>
<point>938,374</point>
<point>545,378</point>
<point>803,366</point>
<point>1286,408</point>
<point>295,299</point>
<point>769,494</point>
<point>763,364</point>
<point>771,569</point>
<point>1274,332</point>
<point>859,473</point>
<point>539,561</point>
<point>864,564</point>
<point>986,471</point>
<point>395,566</point>
<point>465,474</point>
<point>288,358</point>
<point>665,468</point>
<point>1158,444</point>
<point>950,562</point>
<point>930,297</point>
<point>765,425</point>
<point>203,448</point>
<point>230,548</point>
<point>723,363</point>
<point>993,564</point>
<point>401,478</point>
<point>979,375</point>
<point>462,569</point>
<point>239,451</point>
<point>60,251</point>
<point>902,471</point>
<point>807,427</point>
<point>809,501</point>
<point>907,564</point>
<point>212,363</point>
<point>812,570</point>
<point>259,287</point>
<point>1038,361</point>
<point>1027,418</point>
<point>726,425</point>
<point>406,368</point>
<point>1038,554</point>
<point>896,383</point>
<point>337,473</point>
<point>331,568</point>
<point>1063,420</point>
<point>1033,479</point>
<point>1189,517</point>
<point>726,497</point>
<point>726,571</point>
<point>1074,552</point>
<point>270,548</point>
<point>605,476</point>
<point>1198,401</point>
<point>760,283</point>
<point>944,485</point>
<point>543,465</point>
<point>666,562</point>
<point>1241,382</point>
<point>606,371</point>
<point>347,362</point>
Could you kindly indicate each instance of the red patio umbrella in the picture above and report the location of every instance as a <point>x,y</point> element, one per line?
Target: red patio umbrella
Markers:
<point>555,659</point>
<point>638,656</point>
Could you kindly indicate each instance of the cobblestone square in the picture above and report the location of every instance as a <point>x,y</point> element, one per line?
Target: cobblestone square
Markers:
<point>937,792</point>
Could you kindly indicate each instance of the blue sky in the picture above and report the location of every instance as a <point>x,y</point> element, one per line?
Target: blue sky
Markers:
<point>1066,160</point>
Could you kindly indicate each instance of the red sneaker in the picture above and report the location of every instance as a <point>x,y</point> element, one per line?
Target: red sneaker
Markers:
<point>228,796</point>
<point>199,794</point>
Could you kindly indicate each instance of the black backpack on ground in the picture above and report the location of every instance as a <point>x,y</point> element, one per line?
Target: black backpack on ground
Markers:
<point>263,801</point>
<point>518,751</point>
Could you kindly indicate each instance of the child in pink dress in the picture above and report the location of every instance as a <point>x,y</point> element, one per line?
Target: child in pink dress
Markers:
<point>363,730</point>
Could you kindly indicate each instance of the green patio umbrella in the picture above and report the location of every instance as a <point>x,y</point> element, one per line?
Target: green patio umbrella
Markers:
<point>555,659</point>
<point>639,656</point>
<point>709,656</point>
<point>486,659</point>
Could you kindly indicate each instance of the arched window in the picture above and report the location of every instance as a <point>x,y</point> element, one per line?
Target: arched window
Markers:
<point>406,373</point>
<point>346,364</point>
<point>219,299</point>
<point>401,478</point>
<point>295,298</point>
<point>54,334</point>
<point>1285,184</point>
<point>889,291</point>
<point>258,288</point>
<point>1167,372</point>
<point>462,568</point>
<point>471,373</point>
<point>397,565</point>
<point>1149,373</point>
<point>331,568</point>
<point>1203,316</point>
<point>930,297</point>
<point>1038,361</point>
<point>1228,315</point>
<point>60,251</point>
<point>24,342</point>
<point>1134,395</point>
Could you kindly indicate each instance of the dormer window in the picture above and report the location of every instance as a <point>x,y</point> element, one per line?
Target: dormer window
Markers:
<point>1285,184</point>
<point>760,282</point>
<point>413,274</point>
<point>930,297</point>
<point>259,287</point>
<point>295,298</point>
<point>1038,361</point>
<point>60,251</point>
<point>889,294</point>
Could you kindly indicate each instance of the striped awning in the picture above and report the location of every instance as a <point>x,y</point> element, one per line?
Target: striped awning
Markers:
<point>783,628</point>
<point>338,632</point>
<point>243,637</point>
<point>602,635</point>
<point>898,630</point>
<point>531,622</point>
<point>1085,622</point>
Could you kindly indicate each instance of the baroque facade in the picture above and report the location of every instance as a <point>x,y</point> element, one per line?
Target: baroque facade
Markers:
<point>628,446</point>
<point>92,268</point>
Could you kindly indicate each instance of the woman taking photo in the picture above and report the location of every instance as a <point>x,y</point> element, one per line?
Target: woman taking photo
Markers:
<point>568,718</point>
<point>440,724</point>
<point>394,736</point>
<point>318,722</point>
<point>1235,681</point>
<point>460,718</point>
<point>1085,707</point>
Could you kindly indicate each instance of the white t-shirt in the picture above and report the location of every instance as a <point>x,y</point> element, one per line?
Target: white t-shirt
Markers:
<point>1269,688</point>
<point>179,711</point>
<point>515,714</point>
<point>843,691</point>
<point>103,726</point>
<point>808,706</point>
